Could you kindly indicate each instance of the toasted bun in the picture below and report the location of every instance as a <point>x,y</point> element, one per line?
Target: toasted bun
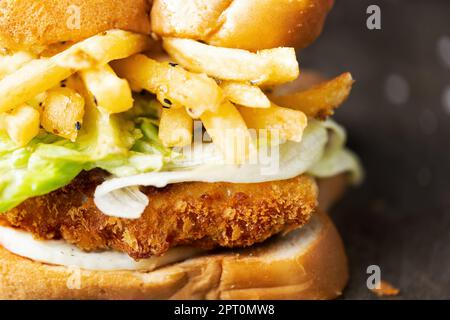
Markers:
<point>33,24</point>
<point>331,190</point>
<point>308,263</point>
<point>245,24</point>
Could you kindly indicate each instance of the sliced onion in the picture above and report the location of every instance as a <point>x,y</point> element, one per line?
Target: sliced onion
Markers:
<point>112,196</point>
<point>127,203</point>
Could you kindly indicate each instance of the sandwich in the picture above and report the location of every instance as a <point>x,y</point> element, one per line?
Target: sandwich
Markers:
<point>168,149</point>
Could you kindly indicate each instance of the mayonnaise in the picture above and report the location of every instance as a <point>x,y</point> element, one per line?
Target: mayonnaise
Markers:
<point>61,253</point>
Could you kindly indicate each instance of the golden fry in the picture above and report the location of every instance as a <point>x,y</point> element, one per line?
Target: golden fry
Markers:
<point>175,127</point>
<point>40,75</point>
<point>289,123</point>
<point>62,113</point>
<point>266,67</point>
<point>245,94</point>
<point>111,92</point>
<point>173,86</point>
<point>321,100</point>
<point>229,133</point>
<point>21,124</point>
<point>11,63</point>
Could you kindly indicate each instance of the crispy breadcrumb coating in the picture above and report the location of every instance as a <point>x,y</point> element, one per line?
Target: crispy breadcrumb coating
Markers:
<point>197,214</point>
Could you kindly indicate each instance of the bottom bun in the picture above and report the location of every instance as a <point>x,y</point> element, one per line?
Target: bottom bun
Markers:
<point>307,263</point>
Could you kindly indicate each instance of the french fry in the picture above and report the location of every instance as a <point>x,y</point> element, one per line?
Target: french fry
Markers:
<point>176,127</point>
<point>321,100</point>
<point>40,75</point>
<point>21,124</point>
<point>289,123</point>
<point>111,92</point>
<point>266,67</point>
<point>13,62</point>
<point>245,94</point>
<point>62,113</point>
<point>173,86</point>
<point>229,133</point>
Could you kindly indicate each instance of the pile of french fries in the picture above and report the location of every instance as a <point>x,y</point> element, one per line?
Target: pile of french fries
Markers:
<point>35,93</point>
<point>227,89</point>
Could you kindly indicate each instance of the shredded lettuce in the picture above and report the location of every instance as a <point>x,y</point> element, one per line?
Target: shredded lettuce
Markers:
<point>114,143</point>
<point>337,158</point>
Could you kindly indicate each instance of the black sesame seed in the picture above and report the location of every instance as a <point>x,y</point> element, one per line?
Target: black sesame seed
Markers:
<point>95,101</point>
<point>173,64</point>
<point>78,126</point>
<point>165,107</point>
<point>168,102</point>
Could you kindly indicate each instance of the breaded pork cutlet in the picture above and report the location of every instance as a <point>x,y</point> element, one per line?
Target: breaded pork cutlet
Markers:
<point>197,214</point>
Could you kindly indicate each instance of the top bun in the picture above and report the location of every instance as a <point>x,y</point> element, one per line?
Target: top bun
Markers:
<point>244,24</point>
<point>33,24</point>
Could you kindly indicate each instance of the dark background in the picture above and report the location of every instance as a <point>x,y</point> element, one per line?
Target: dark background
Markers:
<point>399,123</point>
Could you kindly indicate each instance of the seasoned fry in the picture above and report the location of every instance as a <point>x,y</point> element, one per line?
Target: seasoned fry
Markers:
<point>103,48</point>
<point>290,123</point>
<point>21,124</point>
<point>175,127</point>
<point>267,67</point>
<point>229,132</point>
<point>320,100</point>
<point>111,92</point>
<point>173,86</point>
<point>62,113</point>
<point>245,94</point>
<point>13,62</point>
<point>44,74</point>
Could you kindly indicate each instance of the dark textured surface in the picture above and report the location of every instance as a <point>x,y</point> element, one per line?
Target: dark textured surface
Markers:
<point>400,218</point>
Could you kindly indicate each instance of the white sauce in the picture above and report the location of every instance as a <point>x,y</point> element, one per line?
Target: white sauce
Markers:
<point>61,253</point>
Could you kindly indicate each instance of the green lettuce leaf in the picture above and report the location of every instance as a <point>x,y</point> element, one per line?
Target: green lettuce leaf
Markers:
<point>336,158</point>
<point>114,143</point>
